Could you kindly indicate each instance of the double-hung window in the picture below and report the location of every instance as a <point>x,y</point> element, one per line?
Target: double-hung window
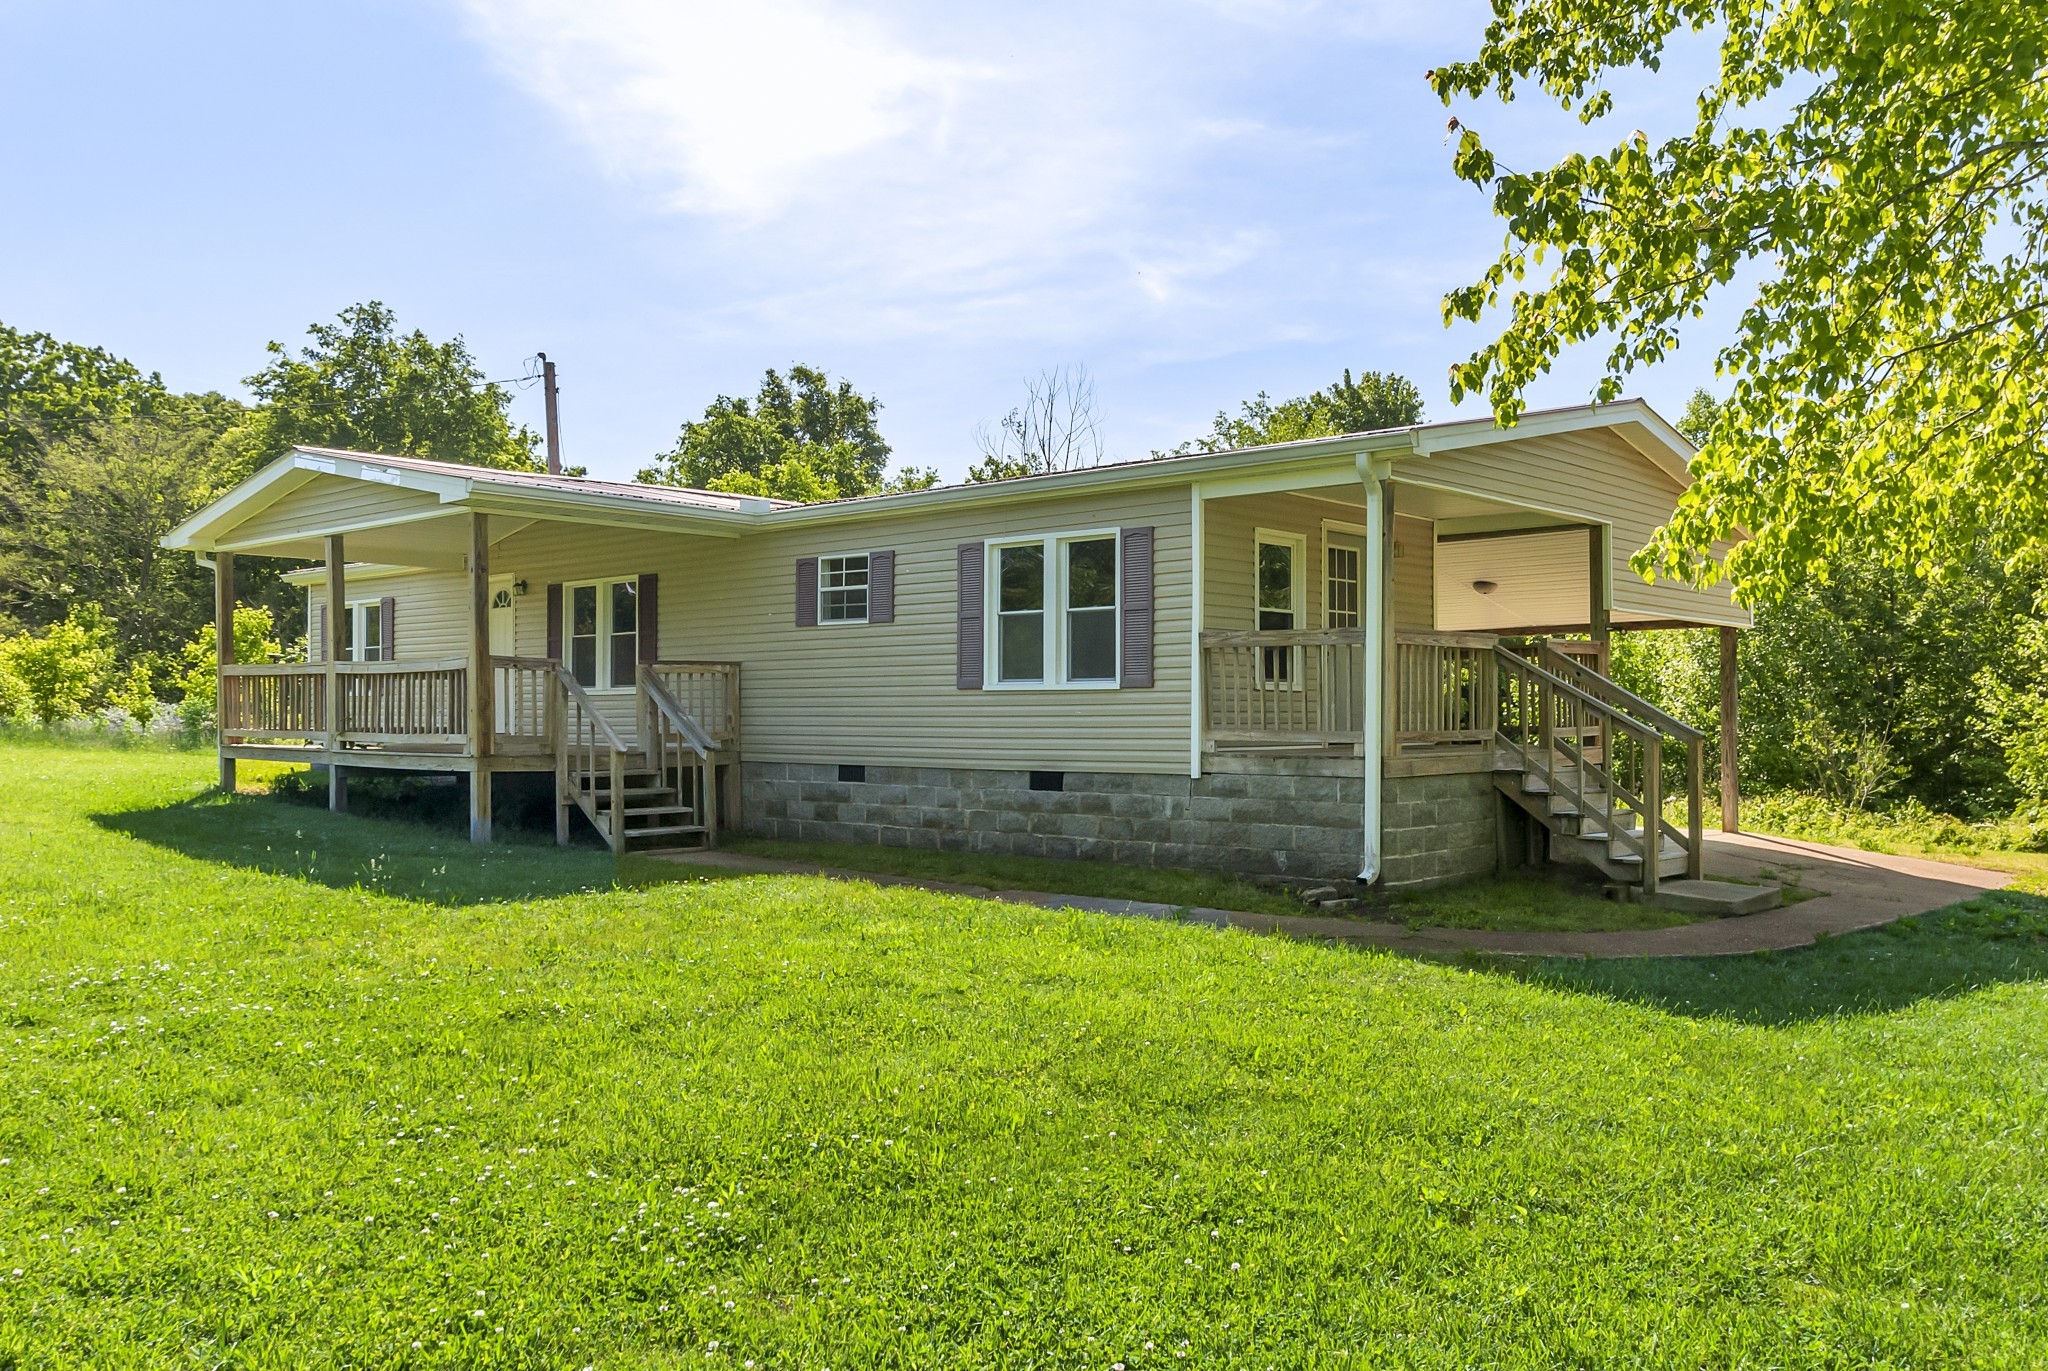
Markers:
<point>1054,610</point>
<point>843,589</point>
<point>603,633</point>
<point>363,632</point>
<point>1277,575</point>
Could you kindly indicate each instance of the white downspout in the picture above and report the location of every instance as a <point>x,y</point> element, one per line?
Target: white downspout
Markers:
<point>1373,471</point>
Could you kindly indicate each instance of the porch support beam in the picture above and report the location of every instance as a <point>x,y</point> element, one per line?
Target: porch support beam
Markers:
<point>482,709</point>
<point>1597,626</point>
<point>1376,718</point>
<point>332,650</point>
<point>224,654</point>
<point>1731,798</point>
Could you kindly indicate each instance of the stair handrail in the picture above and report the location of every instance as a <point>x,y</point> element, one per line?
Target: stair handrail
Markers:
<point>1613,693</point>
<point>1685,735</point>
<point>663,716</point>
<point>1647,806</point>
<point>684,722</point>
<point>575,698</point>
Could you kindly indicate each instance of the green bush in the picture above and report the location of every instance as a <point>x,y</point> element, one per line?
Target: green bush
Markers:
<point>64,670</point>
<point>255,641</point>
<point>1908,825</point>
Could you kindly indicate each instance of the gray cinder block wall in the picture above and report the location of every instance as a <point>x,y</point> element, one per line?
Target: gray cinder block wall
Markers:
<point>1262,816</point>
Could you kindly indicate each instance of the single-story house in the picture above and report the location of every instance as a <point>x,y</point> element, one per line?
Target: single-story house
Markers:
<point>1377,656</point>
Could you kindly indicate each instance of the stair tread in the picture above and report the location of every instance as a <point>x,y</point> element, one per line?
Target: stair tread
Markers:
<point>665,831</point>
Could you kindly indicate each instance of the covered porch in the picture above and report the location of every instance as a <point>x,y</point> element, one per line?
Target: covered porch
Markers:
<point>418,663</point>
<point>1430,632</point>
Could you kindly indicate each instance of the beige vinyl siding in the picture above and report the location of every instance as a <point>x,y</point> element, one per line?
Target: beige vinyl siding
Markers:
<point>1539,581</point>
<point>1414,573</point>
<point>430,613</point>
<point>884,694</point>
<point>1592,475</point>
<point>1230,527</point>
<point>326,503</point>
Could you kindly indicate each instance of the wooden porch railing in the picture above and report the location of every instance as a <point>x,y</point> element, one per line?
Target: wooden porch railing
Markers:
<point>524,697</point>
<point>267,702</point>
<point>680,749</point>
<point>1274,689</point>
<point>1445,688</point>
<point>404,703</point>
<point>709,692</point>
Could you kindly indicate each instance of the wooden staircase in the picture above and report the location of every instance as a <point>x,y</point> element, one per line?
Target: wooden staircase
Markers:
<point>1592,763</point>
<point>660,797</point>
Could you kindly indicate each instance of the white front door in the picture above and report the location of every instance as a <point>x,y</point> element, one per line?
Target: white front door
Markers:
<point>501,616</point>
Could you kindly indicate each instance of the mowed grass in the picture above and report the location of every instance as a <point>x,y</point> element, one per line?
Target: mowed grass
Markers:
<point>286,1089</point>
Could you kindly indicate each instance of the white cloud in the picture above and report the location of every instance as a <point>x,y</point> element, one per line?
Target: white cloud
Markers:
<point>723,108</point>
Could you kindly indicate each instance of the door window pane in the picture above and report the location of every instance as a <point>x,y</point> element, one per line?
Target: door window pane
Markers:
<point>1020,635</point>
<point>1341,594</point>
<point>1091,610</point>
<point>583,635</point>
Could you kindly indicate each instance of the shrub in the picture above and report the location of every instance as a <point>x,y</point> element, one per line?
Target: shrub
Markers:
<point>255,641</point>
<point>60,672</point>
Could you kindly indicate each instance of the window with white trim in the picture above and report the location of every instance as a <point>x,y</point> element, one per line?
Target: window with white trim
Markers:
<point>1277,577</point>
<point>843,589</point>
<point>1341,585</point>
<point>363,632</point>
<point>601,637</point>
<point>1053,610</point>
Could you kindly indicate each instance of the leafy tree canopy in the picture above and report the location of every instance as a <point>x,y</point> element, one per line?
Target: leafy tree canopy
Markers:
<point>363,385</point>
<point>49,389</point>
<point>1883,166</point>
<point>1375,400</point>
<point>799,438</point>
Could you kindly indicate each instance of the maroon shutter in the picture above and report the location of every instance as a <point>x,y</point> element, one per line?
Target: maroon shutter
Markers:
<point>649,626</point>
<point>807,592</point>
<point>1134,595</point>
<point>555,622</point>
<point>387,623</point>
<point>316,640</point>
<point>967,648</point>
<point>881,587</point>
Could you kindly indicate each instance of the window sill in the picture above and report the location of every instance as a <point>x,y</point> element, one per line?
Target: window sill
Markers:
<point>1050,686</point>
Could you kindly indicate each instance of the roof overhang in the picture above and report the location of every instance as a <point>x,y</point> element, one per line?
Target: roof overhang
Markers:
<point>1310,463</point>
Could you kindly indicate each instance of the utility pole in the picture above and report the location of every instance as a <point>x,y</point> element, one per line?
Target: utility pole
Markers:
<point>547,385</point>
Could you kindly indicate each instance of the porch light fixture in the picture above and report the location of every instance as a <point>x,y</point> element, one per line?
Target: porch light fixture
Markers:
<point>519,586</point>
<point>1485,587</point>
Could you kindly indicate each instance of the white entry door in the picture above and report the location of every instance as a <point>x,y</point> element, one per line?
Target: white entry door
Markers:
<point>501,616</point>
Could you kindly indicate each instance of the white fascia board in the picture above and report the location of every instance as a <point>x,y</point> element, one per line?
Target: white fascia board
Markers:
<point>609,511</point>
<point>1656,440</point>
<point>351,572</point>
<point>267,486</point>
<point>1307,462</point>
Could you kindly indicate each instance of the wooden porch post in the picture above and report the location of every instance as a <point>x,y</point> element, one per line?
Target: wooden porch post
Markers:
<point>482,709</point>
<point>1731,797</point>
<point>224,655</point>
<point>1598,627</point>
<point>335,647</point>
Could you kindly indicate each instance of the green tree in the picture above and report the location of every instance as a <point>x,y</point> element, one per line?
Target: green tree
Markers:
<point>1375,400</point>
<point>255,641</point>
<point>49,389</point>
<point>1883,167</point>
<point>65,669</point>
<point>87,525</point>
<point>799,438</point>
<point>364,385</point>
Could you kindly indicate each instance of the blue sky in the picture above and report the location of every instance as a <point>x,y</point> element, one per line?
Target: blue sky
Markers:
<point>1198,201</point>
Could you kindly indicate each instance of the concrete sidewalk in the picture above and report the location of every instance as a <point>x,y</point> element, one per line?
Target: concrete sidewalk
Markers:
<point>1863,890</point>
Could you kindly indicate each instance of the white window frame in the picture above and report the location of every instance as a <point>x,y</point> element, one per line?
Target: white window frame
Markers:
<point>604,631</point>
<point>361,613</point>
<point>1055,610</point>
<point>868,587</point>
<point>1348,530</point>
<point>1297,546</point>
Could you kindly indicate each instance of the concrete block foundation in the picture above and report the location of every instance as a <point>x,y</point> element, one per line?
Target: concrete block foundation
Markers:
<point>1261,816</point>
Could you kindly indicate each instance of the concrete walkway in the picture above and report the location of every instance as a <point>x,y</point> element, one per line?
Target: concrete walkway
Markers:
<point>1863,890</point>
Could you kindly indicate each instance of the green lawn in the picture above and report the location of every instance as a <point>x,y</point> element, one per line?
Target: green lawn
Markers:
<point>286,1089</point>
